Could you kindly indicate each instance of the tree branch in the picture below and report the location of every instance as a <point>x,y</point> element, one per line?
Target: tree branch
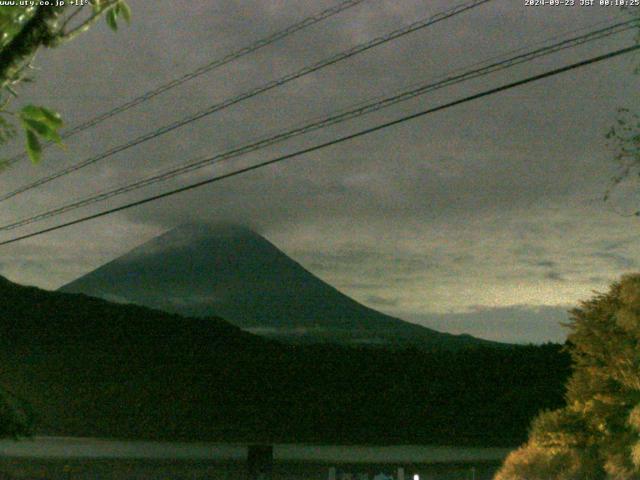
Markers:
<point>84,26</point>
<point>35,33</point>
<point>70,17</point>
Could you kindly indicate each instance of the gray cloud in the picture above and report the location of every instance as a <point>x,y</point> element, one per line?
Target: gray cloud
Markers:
<point>545,263</point>
<point>377,301</point>
<point>514,324</point>
<point>619,261</point>
<point>555,276</point>
<point>490,203</point>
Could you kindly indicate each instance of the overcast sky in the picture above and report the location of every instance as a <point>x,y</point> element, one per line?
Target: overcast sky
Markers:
<point>484,218</point>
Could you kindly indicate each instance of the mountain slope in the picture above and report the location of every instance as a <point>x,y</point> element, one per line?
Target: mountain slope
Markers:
<point>93,368</point>
<point>89,367</point>
<point>234,273</point>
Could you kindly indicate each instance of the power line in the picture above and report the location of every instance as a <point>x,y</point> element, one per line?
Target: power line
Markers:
<point>331,120</point>
<point>336,141</point>
<point>252,93</point>
<point>219,62</point>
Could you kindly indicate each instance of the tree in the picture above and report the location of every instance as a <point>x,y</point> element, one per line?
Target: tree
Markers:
<point>23,31</point>
<point>624,137</point>
<point>26,29</point>
<point>597,434</point>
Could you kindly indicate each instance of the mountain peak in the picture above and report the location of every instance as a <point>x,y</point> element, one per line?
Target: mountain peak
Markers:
<point>191,232</point>
<point>223,229</point>
<point>228,270</point>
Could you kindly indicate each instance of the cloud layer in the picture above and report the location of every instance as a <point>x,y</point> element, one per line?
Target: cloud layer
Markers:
<point>492,203</point>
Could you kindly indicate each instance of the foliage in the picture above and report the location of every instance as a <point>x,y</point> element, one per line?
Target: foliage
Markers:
<point>39,121</point>
<point>16,417</point>
<point>12,20</point>
<point>206,379</point>
<point>25,29</point>
<point>595,436</point>
<point>536,462</point>
<point>624,138</point>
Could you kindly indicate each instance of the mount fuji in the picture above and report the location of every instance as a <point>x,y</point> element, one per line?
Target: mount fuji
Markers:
<point>232,272</point>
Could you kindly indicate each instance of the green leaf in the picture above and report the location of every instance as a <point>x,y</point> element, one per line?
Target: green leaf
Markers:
<point>53,118</point>
<point>42,114</point>
<point>30,111</point>
<point>98,5</point>
<point>36,126</point>
<point>42,129</point>
<point>124,11</point>
<point>34,149</point>
<point>111,19</point>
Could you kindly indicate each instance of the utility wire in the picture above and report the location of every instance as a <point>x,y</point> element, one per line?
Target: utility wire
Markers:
<point>331,120</point>
<point>219,62</point>
<point>252,93</point>
<point>367,131</point>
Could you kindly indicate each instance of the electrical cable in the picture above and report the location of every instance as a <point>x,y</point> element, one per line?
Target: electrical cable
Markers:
<point>219,62</point>
<point>335,141</point>
<point>250,94</point>
<point>327,121</point>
